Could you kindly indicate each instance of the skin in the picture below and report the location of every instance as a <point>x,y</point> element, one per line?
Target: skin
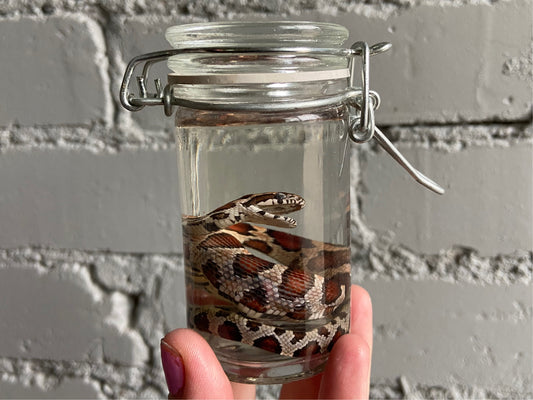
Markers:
<point>346,376</point>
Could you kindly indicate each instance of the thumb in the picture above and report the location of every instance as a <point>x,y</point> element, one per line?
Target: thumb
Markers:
<point>191,368</point>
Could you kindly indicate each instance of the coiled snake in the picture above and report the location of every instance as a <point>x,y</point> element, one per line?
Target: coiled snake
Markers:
<point>306,289</point>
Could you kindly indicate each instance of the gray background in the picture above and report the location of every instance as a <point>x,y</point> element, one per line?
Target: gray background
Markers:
<point>90,251</point>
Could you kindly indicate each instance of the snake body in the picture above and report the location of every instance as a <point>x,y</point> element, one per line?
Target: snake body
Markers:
<point>305,288</point>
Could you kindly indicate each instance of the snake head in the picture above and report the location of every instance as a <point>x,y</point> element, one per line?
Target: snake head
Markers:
<point>275,202</point>
<point>268,208</point>
<point>262,208</point>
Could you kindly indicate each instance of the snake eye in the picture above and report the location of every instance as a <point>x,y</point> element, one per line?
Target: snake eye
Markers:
<point>280,197</point>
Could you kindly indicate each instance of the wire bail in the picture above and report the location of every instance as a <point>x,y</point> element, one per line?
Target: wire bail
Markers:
<point>364,101</point>
<point>363,126</point>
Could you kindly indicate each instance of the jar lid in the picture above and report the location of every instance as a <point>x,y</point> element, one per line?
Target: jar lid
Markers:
<point>256,34</point>
<point>258,62</point>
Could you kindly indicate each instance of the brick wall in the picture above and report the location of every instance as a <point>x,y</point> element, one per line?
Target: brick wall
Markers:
<point>91,272</point>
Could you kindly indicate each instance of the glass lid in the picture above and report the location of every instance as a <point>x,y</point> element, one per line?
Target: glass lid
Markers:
<point>257,34</point>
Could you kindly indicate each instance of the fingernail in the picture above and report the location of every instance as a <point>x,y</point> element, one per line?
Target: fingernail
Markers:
<point>173,368</point>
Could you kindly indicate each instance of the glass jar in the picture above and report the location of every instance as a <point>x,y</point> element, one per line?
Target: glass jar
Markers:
<point>265,111</point>
<point>264,196</point>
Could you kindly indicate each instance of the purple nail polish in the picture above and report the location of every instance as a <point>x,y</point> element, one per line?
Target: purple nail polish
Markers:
<point>173,368</point>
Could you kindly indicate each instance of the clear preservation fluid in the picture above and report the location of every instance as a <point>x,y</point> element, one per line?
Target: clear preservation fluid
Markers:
<point>235,276</point>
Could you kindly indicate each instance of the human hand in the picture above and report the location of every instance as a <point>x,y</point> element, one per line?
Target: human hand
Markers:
<point>192,370</point>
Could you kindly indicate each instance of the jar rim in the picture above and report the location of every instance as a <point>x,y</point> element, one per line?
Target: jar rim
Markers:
<point>256,34</point>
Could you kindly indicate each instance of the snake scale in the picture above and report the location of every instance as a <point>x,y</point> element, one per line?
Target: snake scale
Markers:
<point>306,287</point>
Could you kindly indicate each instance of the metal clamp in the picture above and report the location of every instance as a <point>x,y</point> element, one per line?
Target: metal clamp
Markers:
<point>162,96</point>
<point>129,101</point>
<point>400,159</point>
<point>366,124</point>
<point>364,101</point>
<point>362,128</point>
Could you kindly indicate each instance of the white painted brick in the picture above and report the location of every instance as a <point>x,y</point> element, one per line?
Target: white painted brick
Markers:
<point>173,302</point>
<point>487,205</point>
<point>124,346</point>
<point>53,72</point>
<point>448,63</point>
<point>62,315</point>
<point>438,333</point>
<point>67,389</point>
<point>60,198</point>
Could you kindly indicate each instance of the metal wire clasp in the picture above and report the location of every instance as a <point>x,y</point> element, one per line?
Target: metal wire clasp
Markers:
<point>363,126</point>
<point>362,100</point>
<point>162,96</point>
